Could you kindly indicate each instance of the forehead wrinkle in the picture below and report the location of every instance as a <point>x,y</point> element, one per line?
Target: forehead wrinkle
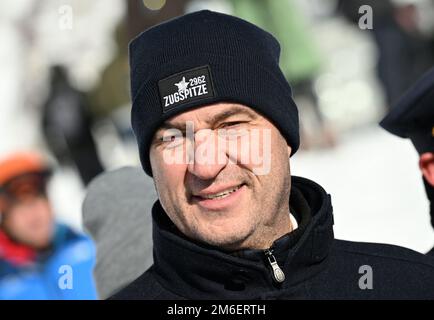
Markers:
<point>234,110</point>
<point>219,116</point>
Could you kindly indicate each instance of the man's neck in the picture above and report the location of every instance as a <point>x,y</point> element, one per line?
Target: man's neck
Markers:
<point>265,237</point>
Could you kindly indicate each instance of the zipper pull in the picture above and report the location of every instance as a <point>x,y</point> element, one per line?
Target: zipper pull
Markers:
<point>278,274</point>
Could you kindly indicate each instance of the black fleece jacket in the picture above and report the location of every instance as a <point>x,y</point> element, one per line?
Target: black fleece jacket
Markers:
<point>315,265</point>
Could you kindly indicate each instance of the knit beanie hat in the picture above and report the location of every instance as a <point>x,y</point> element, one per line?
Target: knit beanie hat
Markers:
<point>203,58</point>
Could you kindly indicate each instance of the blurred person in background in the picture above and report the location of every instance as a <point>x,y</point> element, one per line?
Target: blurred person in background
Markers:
<point>67,124</point>
<point>113,214</point>
<point>413,118</point>
<point>404,53</point>
<point>39,259</point>
<point>111,92</point>
<point>300,61</point>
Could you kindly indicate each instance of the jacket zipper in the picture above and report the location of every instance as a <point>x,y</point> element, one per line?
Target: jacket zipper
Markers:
<point>278,274</point>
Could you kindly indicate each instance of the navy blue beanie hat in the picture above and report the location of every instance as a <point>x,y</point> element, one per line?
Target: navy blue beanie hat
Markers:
<point>203,58</point>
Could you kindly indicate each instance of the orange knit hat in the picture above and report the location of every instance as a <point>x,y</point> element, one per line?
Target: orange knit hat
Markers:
<point>20,164</point>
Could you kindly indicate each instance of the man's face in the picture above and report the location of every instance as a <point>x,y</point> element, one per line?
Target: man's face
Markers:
<point>30,222</point>
<point>223,192</point>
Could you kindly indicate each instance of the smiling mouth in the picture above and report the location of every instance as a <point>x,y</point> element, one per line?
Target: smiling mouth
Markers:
<point>219,195</point>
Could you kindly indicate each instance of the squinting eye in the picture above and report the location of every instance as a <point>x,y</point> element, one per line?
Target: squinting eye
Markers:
<point>231,124</point>
<point>233,129</point>
<point>172,140</point>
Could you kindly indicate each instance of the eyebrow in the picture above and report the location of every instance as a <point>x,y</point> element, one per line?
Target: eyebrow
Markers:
<point>235,110</point>
<point>168,126</point>
<point>219,117</point>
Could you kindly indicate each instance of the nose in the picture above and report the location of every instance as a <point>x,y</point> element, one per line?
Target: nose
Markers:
<point>209,156</point>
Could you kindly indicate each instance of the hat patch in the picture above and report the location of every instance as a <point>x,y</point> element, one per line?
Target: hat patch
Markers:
<point>183,87</point>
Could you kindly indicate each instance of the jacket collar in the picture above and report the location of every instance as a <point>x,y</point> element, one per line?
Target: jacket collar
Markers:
<point>15,253</point>
<point>198,271</point>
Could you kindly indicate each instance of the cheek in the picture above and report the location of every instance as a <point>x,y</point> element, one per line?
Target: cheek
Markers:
<point>253,150</point>
<point>165,161</point>
<point>269,153</point>
<point>45,214</point>
<point>280,149</point>
<point>16,220</point>
<point>168,179</point>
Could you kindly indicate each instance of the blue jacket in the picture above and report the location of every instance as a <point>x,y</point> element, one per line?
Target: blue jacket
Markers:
<point>64,272</point>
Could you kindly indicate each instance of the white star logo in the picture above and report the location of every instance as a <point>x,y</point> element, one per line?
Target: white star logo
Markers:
<point>182,85</point>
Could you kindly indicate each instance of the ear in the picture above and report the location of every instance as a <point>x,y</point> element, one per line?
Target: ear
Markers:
<point>426,165</point>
